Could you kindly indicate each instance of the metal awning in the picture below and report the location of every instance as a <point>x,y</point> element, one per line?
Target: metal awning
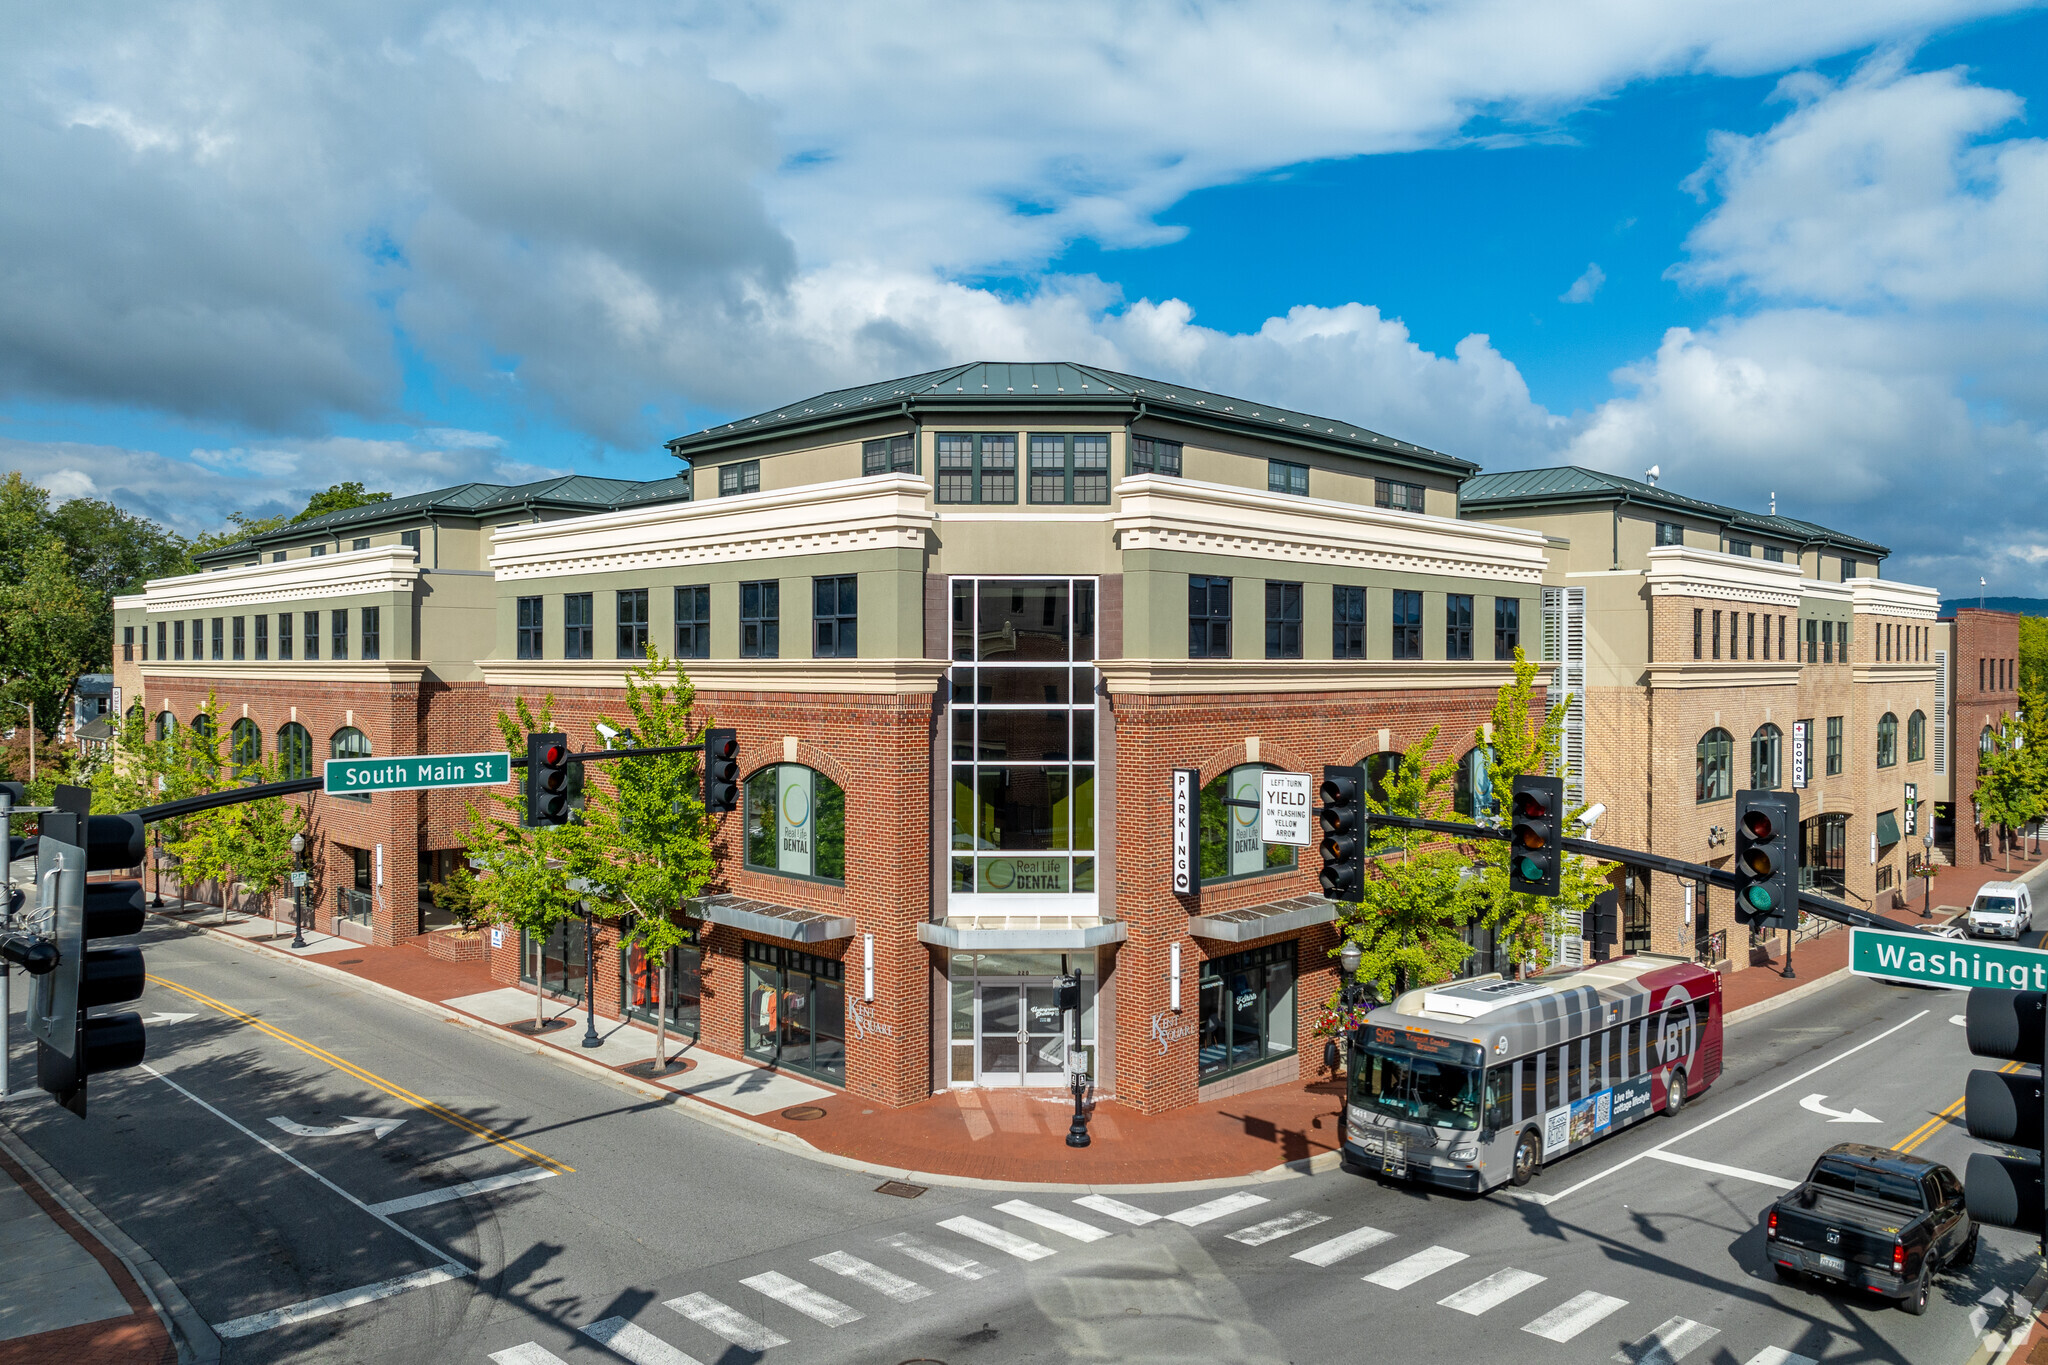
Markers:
<point>1021,933</point>
<point>1887,828</point>
<point>1263,921</point>
<point>771,920</point>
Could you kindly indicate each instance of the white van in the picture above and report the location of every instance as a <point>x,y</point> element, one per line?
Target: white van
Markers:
<point>2001,910</point>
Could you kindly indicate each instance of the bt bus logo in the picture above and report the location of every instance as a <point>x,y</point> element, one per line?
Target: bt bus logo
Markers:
<point>1675,1032</point>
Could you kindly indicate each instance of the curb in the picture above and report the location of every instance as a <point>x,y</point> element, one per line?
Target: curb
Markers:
<point>2003,1346</point>
<point>189,1332</point>
<point>704,1112</point>
<point>1799,992</point>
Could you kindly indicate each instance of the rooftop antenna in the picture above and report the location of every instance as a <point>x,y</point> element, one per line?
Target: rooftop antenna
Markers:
<point>1650,474</point>
<point>1774,502</point>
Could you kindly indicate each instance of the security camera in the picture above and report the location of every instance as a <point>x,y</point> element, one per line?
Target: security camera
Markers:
<point>1592,813</point>
<point>606,733</point>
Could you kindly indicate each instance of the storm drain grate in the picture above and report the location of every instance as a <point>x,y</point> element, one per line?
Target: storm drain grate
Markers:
<point>902,1189</point>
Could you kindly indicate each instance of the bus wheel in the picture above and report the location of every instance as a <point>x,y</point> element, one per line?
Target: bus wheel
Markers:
<point>1528,1157</point>
<point>1674,1093</point>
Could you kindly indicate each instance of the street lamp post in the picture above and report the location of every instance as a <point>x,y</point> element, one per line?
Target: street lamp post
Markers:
<point>298,893</point>
<point>590,1034</point>
<point>157,902</point>
<point>1927,866</point>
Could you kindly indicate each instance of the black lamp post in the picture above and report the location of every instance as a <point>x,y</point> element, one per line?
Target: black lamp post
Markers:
<point>1927,865</point>
<point>1077,1075</point>
<point>590,1034</point>
<point>298,893</point>
<point>158,902</point>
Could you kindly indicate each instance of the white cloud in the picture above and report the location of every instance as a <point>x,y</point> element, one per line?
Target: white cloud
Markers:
<point>1585,286</point>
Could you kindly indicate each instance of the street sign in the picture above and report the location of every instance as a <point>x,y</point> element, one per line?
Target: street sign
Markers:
<point>1798,754</point>
<point>298,879</point>
<point>1912,804</point>
<point>1956,964</point>
<point>1287,809</point>
<point>1185,783</point>
<point>417,772</point>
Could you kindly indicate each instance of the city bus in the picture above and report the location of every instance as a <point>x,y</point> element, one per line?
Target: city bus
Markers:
<point>1476,1083</point>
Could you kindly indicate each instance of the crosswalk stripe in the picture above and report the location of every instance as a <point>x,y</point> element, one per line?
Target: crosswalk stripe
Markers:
<point>803,1298</point>
<point>1116,1208</point>
<point>1057,1222</point>
<point>939,1258</point>
<point>735,1326</point>
<point>873,1276</point>
<point>1574,1316</point>
<point>637,1344</point>
<point>1491,1292</point>
<point>1778,1355</point>
<point>1420,1266</point>
<point>1273,1229</point>
<point>526,1353</point>
<point>1675,1339</point>
<point>1337,1248</point>
<point>1217,1208</point>
<point>1022,1248</point>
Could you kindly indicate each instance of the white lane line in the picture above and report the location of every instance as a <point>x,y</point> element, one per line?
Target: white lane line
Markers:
<point>1022,1248</point>
<point>1574,1316</point>
<point>1778,1355</point>
<point>1716,1168</point>
<point>735,1326</point>
<point>526,1353</point>
<point>1726,1113</point>
<point>882,1281</point>
<point>939,1258</point>
<point>1273,1229</point>
<point>804,1299</point>
<point>334,1303</point>
<point>428,1198</point>
<point>637,1344</point>
<point>1671,1342</point>
<point>1217,1208</point>
<point>1056,1222</point>
<point>1491,1292</point>
<point>1116,1208</point>
<point>1420,1266</point>
<point>1337,1248</point>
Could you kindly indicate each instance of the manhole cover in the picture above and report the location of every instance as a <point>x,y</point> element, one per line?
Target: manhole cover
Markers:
<point>804,1111</point>
<point>902,1189</point>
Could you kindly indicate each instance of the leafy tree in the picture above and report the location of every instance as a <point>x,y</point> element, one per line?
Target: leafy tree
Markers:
<point>50,632</point>
<point>202,842</point>
<point>457,894</point>
<point>256,836</point>
<point>2010,787</point>
<point>240,527</point>
<point>338,497</point>
<point>2033,654</point>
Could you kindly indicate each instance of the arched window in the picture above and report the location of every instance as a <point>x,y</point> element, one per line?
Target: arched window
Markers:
<point>245,745</point>
<point>203,727</point>
<point>1714,763</point>
<point>796,823</point>
<point>294,751</point>
<point>1379,768</point>
<point>1984,743</point>
<point>1887,740</point>
<point>1473,795</point>
<point>349,742</point>
<point>1916,737</point>
<point>167,725</point>
<point>1765,747</point>
<point>1231,846</point>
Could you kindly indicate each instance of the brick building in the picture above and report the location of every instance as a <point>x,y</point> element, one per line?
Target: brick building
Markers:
<point>1983,693</point>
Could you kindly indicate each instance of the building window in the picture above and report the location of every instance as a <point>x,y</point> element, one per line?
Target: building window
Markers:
<point>284,635</point>
<point>1827,642</point>
<point>1670,533</point>
<point>528,636</point>
<point>1916,737</point>
<point>645,992</point>
<point>1231,846</point>
<point>1073,469</point>
<point>1457,625</point>
<point>1887,740</point>
<point>1773,555</point>
<point>796,1011</point>
<point>1407,624</point>
<point>1834,746</point>
<point>1248,1010</point>
<point>161,654</point>
<point>167,725</point>
<point>1713,766</point>
<point>277,556</point>
<point>1507,627</point>
<point>1765,748</point>
<point>1980,671</point>
<point>744,477</point>
<point>349,742</point>
<point>1848,568</point>
<point>337,634</point>
<point>263,638</point>
<point>1285,477</point>
<point>835,618</point>
<point>632,623</point>
<point>1717,635</point>
<point>1699,632</point>
<point>1347,613</point>
<point>312,635</point>
<point>1472,789</point>
<point>890,455</point>
<point>693,622</point>
<point>761,619</point>
<point>1283,620</point>
<point>178,650</point>
<point>361,543</point>
<point>127,644</point>
<point>1152,456</point>
<point>373,632</point>
<point>220,637</point>
<point>1208,617</point>
<point>579,626</point>
<point>977,468</point>
<point>245,746</point>
<point>294,752</point>
<point>1984,742</point>
<point>316,551</point>
<point>410,540</point>
<point>796,823</point>
<point>1397,496</point>
<point>1741,547</point>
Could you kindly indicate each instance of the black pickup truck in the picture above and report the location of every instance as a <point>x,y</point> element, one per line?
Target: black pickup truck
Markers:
<point>1876,1220</point>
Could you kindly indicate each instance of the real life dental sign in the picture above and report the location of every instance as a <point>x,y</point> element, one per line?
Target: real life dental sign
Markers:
<point>1955,965</point>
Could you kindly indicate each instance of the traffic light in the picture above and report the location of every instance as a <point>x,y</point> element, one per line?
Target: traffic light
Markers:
<point>721,770</point>
<point>547,780</point>
<point>2005,1108</point>
<point>1604,928</point>
<point>71,1043</point>
<point>1536,845</point>
<point>1344,828</point>
<point>1766,861</point>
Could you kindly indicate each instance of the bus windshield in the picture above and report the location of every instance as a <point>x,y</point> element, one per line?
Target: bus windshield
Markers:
<point>1420,1089</point>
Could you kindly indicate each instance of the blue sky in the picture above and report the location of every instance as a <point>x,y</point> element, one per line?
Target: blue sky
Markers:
<point>1771,249</point>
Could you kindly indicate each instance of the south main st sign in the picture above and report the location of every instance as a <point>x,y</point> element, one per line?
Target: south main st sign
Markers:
<point>1957,964</point>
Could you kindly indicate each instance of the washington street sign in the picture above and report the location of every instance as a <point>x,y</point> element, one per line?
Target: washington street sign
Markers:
<point>1957,964</point>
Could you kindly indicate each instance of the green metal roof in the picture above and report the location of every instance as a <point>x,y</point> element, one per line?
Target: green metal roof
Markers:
<point>993,384</point>
<point>1562,485</point>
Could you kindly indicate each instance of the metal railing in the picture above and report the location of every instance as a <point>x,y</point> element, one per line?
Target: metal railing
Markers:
<point>352,904</point>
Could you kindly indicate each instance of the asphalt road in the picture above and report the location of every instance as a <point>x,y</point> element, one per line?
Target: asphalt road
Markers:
<point>675,1240</point>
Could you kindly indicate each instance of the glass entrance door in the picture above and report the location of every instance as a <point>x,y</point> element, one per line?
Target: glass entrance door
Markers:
<point>1019,1039</point>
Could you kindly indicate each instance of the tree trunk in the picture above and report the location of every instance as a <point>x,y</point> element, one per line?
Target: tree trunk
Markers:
<point>539,991</point>
<point>661,1017</point>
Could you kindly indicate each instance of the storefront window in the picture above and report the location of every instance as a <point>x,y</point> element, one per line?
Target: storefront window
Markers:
<point>796,1011</point>
<point>1231,846</point>
<point>1247,1009</point>
<point>642,980</point>
<point>557,963</point>
<point>796,823</point>
<point>1006,1028</point>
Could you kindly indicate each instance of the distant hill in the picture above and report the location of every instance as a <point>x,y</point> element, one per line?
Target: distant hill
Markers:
<point>2025,606</point>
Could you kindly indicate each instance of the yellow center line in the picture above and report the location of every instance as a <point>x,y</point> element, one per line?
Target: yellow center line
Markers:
<point>1935,1124</point>
<point>397,1092</point>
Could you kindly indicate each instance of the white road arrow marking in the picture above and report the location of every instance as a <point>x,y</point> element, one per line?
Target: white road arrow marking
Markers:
<point>169,1018</point>
<point>1812,1104</point>
<point>1959,1021</point>
<point>350,1123</point>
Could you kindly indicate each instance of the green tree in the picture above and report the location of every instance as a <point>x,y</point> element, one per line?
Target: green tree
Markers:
<point>2034,654</point>
<point>256,836</point>
<point>338,497</point>
<point>240,527</point>
<point>50,633</point>
<point>202,842</point>
<point>2010,787</point>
